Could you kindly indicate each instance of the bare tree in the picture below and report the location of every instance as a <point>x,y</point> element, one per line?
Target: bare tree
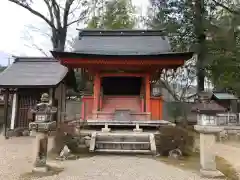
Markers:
<point>59,15</point>
<point>31,43</point>
<point>178,82</point>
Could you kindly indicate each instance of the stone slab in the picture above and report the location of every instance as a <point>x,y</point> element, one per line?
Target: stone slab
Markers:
<point>92,142</point>
<point>153,144</point>
<point>40,169</point>
<point>106,129</point>
<point>138,130</point>
<point>211,173</point>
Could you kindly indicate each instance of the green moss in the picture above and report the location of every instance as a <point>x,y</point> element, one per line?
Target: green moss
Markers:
<point>193,163</point>
<point>226,168</point>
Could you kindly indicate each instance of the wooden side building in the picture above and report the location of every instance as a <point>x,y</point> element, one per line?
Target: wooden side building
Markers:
<point>25,80</point>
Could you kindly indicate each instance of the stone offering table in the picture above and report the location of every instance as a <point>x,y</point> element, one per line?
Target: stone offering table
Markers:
<point>41,127</point>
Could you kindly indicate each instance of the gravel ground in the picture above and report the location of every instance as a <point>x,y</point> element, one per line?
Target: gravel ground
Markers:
<point>16,153</point>
<point>230,151</point>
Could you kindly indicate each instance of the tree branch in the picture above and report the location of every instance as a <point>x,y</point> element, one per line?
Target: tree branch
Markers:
<point>35,29</point>
<point>76,7</point>
<point>226,8</point>
<point>29,38</point>
<point>50,11</point>
<point>168,88</point>
<point>56,11</point>
<point>33,11</point>
<point>77,20</point>
<point>66,12</point>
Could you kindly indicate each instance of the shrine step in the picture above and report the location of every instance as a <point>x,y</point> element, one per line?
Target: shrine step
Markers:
<point>105,142</point>
<point>123,142</point>
<point>123,151</point>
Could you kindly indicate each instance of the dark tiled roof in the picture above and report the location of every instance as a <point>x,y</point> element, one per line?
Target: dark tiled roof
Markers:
<point>28,71</point>
<point>224,96</point>
<point>122,42</point>
<point>207,107</point>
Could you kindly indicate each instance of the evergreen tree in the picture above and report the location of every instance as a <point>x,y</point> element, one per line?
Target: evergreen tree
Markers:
<point>114,14</point>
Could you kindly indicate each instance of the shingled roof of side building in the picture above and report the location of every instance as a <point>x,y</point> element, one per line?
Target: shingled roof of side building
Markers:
<point>33,71</point>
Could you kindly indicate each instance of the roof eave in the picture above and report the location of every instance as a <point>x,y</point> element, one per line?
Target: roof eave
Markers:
<point>27,86</point>
<point>183,55</point>
<point>121,32</point>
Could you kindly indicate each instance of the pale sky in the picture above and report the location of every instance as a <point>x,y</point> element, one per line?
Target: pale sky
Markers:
<point>17,39</point>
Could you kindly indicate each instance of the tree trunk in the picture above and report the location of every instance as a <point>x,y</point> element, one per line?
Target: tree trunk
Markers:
<point>58,39</point>
<point>200,39</point>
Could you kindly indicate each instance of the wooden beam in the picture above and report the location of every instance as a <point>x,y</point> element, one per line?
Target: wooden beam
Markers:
<point>122,74</point>
<point>96,92</point>
<point>122,62</point>
<point>6,106</point>
<point>148,92</point>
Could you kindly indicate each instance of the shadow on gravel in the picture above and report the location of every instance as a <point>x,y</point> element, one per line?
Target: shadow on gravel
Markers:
<point>32,175</point>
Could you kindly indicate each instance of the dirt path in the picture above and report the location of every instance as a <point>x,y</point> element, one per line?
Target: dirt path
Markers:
<point>16,153</point>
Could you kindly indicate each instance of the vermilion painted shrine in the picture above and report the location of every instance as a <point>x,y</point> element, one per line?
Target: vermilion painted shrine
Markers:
<point>122,64</point>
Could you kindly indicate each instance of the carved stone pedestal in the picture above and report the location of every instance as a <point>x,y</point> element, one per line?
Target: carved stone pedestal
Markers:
<point>207,154</point>
<point>40,144</point>
<point>40,152</point>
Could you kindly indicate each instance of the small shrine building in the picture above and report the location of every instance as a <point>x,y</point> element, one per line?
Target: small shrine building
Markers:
<point>122,64</point>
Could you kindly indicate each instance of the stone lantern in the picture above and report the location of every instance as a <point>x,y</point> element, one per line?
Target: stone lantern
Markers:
<point>42,125</point>
<point>207,127</point>
<point>207,110</point>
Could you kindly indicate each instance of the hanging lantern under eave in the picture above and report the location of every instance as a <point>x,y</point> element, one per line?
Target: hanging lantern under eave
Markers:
<point>156,90</point>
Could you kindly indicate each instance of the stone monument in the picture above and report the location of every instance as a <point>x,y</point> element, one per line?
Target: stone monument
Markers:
<point>42,125</point>
<point>207,127</point>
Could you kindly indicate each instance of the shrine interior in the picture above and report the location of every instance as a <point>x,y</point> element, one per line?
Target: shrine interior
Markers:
<point>121,86</point>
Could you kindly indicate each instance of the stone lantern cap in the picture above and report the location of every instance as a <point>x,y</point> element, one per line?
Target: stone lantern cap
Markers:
<point>204,105</point>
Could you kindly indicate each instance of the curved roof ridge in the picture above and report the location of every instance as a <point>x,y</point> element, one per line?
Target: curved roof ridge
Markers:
<point>35,59</point>
<point>121,32</point>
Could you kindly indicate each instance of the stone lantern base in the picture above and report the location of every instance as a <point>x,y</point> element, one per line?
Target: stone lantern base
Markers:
<point>40,146</point>
<point>207,154</point>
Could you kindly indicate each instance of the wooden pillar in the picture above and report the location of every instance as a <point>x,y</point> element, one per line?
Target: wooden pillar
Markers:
<point>96,92</point>
<point>6,106</point>
<point>51,95</point>
<point>14,110</point>
<point>148,92</point>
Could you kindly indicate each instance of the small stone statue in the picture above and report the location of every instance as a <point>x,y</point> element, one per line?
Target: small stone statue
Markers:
<point>223,135</point>
<point>64,154</point>
<point>175,153</point>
